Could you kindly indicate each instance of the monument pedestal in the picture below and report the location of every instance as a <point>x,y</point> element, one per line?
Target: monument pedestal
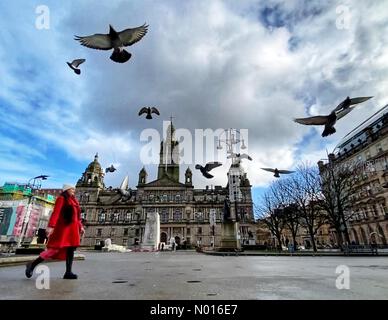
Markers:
<point>229,239</point>
<point>148,248</point>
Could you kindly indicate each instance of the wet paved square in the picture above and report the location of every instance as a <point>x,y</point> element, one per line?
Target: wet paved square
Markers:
<point>190,275</point>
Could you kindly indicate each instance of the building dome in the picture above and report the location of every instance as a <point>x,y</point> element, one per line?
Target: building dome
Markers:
<point>93,175</point>
<point>94,166</point>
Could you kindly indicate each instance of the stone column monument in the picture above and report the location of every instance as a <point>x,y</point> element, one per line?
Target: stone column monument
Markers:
<point>151,238</point>
<point>230,227</point>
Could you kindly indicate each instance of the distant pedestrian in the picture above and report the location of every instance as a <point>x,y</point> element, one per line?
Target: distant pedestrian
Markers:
<point>374,247</point>
<point>64,231</point>
<point>172,243</point>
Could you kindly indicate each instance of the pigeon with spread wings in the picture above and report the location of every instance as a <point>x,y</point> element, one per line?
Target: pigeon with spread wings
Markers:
<point>239,156</point>
<point>330,120</point>
<point>149,111</point>
<point>208,167</point>
<point>115,40</point>
<point>110,169</point>
<point>278,172</point>
<point>74,65</point>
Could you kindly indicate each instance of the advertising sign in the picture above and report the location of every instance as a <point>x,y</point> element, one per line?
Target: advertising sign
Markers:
<point>11,217</point>
<point>5,219</point>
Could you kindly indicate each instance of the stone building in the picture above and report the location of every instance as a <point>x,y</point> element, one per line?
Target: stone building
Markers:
<point>192,216</point>
<point>367,147</point>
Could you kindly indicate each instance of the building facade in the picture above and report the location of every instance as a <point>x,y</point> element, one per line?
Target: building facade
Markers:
<point>192,216</point>
<point>367,147</point>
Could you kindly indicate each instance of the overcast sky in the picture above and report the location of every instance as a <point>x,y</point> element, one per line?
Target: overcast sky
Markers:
<point>251,65</point>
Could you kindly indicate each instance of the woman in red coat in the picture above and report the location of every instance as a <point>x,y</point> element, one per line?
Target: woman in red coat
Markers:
<point>63,231</point>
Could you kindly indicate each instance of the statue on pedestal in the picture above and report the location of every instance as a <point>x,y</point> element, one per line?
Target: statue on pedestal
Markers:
<point>227,215</point>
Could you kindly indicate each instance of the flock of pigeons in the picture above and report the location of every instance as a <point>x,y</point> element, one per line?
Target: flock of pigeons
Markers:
<point>116,41</point>
<point>328,121</point>
<point>119,40</point>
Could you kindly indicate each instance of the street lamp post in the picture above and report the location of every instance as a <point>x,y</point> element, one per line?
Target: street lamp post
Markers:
<point>212,223</point>
<point>230,228</point>
<point>232,137</point>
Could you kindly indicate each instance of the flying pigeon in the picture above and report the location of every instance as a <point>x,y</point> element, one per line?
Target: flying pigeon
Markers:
<point>239,156</point>
<point>115,40</point>
<point>110,169</point>
<point>74,65</point>
<point>277,171</point>
<point>148,111</point>
<point>208,167</point>
<point>330,120</point>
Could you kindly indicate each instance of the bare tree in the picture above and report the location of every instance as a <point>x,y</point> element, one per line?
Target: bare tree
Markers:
<point>292,221</point>
<point>269,211</point>
<point>291,216</point>
<point>335,185</point>
<point>303,189</point>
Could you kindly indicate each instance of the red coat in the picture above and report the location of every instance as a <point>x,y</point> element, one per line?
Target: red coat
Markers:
<point>65,235</point>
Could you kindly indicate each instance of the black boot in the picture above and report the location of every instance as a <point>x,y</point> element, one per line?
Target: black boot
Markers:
<point>69,264</point>
<point>31,266</point>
